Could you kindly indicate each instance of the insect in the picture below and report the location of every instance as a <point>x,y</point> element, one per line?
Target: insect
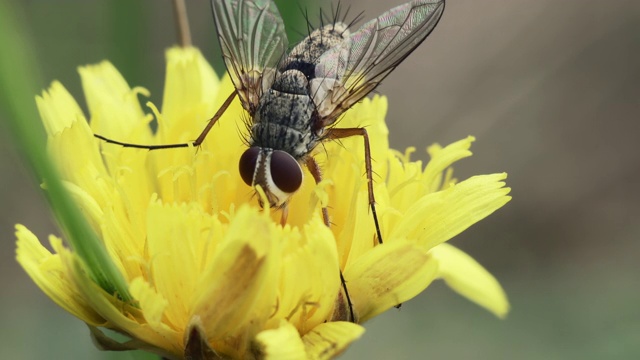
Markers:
<point>295,98</point>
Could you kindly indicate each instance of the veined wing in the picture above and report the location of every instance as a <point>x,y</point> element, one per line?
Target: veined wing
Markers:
<point>348,72</point>
<point>253,41</point>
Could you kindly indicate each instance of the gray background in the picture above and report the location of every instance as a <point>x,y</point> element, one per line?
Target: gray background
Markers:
<point>550,89</point>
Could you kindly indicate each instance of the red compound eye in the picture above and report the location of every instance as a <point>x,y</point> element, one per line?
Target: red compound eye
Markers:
<point>286,172</point>
<point>247,165</point>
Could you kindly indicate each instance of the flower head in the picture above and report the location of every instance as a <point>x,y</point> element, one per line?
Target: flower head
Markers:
<point>210,272</point>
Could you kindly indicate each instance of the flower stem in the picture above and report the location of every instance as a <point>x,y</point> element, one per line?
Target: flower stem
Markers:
<point>182,23</point>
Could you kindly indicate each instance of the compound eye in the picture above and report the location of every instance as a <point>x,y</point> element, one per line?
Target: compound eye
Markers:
<point>285,171</point>
<point>247,165</point>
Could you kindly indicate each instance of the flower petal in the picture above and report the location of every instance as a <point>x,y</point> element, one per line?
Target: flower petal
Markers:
<point>468,278</point>
<point>47,271</point>
<point>121,316</point>
<point>176,251</point>
<point>193,94</point>
<point>376,282</point>
<point>442,158</point>
<point>282,343</point>
<point>440,216</point>
<point>150,302</point>
<point>116,113</point>
<point>191,84</point>
<point>58,109</point>
<point>309,275</point>
<point>330,339</point>
<point>114,106</point>
<point>237,288</point>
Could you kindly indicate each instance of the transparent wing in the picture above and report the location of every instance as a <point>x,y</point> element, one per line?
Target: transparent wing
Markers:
<point>253,41</point>
<point>348,72</point>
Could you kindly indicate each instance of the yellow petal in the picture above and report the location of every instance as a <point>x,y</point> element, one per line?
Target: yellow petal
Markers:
<point>468,278</point>
<point>329,340</point>
<point>405,181</point>
<point>116,113</point>
<point>238,286</point>
<point>442,158</point>
<point>440,216</point>
<point>376,282</point>
<point>82,170</point>
<point>282,343</point>
<point>121,316</point>
<point>190,86</point>
<point>309,275</point>
<point>192,95</point>
<point>114,106</point>
<point>47,271</point>
<point>70,141</point>
<point>58,109</point>
<point>150,302</point>
<point>175,246</point>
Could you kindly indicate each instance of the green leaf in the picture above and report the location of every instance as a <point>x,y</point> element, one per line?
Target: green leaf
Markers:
<point>18,79</point>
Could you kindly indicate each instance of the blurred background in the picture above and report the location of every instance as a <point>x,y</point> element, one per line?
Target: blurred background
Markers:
<point>551,90</point>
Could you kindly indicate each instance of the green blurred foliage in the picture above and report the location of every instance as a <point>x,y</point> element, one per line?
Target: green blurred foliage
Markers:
<point>17,84</point>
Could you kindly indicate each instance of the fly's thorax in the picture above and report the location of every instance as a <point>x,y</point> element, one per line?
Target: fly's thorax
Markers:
<point>285,121</point>
<point>278,173</point>
<point>304,56</point>
<point>291,81</point>
<point>297,143</point>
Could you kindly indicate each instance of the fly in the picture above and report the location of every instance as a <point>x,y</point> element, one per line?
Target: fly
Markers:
<point>294,98</point>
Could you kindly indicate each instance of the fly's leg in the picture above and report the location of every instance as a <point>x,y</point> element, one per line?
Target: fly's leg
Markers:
<point>195,143</point>
<point>314,169</point>
<point>348,132</point>
<point>284,215</point>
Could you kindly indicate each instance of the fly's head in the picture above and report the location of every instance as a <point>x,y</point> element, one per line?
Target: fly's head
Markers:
<point>277,172</point>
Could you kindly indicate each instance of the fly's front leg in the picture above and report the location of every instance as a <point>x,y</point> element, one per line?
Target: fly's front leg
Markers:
<point>348,132</point>
<point>314,169</point>
<point>339,313</point>
<point>195,143</point>
<point>215,119</point>
<point>285,214</point>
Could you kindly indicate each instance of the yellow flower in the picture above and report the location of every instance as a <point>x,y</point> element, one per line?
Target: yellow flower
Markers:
<point>210,272</point>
